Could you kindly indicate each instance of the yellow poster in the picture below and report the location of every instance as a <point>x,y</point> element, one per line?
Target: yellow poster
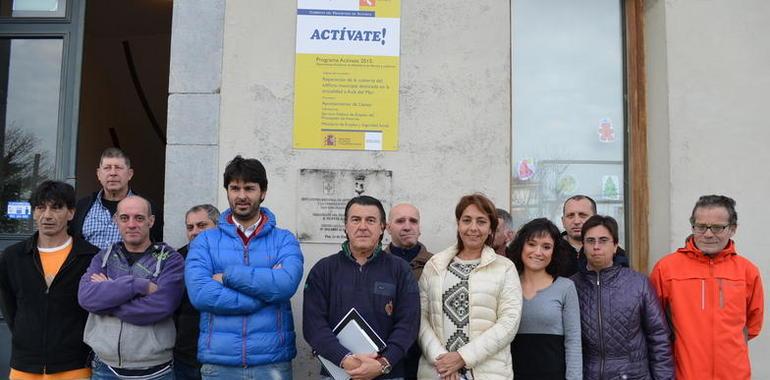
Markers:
<point>346,80</point>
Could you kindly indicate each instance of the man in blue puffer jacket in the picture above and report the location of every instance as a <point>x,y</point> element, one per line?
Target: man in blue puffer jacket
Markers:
<point>241,276</point>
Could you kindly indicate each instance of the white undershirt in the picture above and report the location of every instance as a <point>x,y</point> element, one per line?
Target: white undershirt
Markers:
<point>54,249</point>
<point>248,231</point>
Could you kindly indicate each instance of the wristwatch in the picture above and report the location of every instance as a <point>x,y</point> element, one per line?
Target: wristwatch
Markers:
<point>386,367</point>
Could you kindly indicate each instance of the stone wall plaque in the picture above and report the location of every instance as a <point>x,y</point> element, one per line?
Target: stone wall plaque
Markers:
<point>323,194</point>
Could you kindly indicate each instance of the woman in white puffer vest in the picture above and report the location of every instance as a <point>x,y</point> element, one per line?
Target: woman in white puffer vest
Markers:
<point>471,302</point>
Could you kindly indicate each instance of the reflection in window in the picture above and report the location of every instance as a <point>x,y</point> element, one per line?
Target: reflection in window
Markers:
<point>30,74</point>
<point>568,109</point>
<point>32,8</point>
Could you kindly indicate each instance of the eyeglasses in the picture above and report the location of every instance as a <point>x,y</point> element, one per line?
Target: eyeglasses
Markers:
<point>600,241</point>
<point>715,228</point>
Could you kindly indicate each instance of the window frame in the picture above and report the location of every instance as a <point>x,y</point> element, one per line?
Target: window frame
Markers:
<point>636,124</point>
<point>70,30</point>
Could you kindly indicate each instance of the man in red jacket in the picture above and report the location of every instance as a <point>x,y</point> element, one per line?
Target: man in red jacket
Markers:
<point>712,296</point>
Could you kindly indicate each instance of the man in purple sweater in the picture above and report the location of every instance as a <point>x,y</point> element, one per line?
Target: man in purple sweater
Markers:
<point>131,290</point>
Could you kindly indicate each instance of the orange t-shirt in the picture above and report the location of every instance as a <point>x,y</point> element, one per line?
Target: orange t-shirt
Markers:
<point>75,374</point>
<point>53,258</point>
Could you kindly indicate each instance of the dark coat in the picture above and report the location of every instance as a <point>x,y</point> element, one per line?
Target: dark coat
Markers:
<point>187,319</point>
<point>383,290</point>
<point>46,322</point>
<point>412,357</point>
<point>624,329</point>
<point>418,263</point>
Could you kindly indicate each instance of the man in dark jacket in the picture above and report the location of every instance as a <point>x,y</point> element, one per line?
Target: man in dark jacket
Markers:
<point>624,329</point>
<point>379,286</point>
<point>93,220</point>
<point>38,287</point>
<point>575,211</point>
<point>404,229</point>
<point>186,366</point>
<point>504,233</point>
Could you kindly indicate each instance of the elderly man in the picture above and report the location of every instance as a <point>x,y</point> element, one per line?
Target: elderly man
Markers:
<point>575,211</point>
<point>404,229</point>
<point>131,290</point>
<point>504,233</point>
<point>186,366</point>
<point>379,286</point>
<point>93,218</point>
<point>713,296</point>
<point>39,279</point>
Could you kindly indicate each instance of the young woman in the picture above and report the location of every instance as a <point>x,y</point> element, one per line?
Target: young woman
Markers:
<point>547,346</point>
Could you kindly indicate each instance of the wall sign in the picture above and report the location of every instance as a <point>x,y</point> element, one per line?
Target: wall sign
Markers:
<point>346,74</point>
<point>323,195</point>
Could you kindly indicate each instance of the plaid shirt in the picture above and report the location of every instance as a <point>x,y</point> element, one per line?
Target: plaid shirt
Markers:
<point>99,228</point>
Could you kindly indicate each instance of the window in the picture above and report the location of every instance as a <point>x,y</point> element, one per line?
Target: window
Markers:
<point>39,48</point>
<point>33,8</point>
<point>573,119</point>
<point>31,72</point>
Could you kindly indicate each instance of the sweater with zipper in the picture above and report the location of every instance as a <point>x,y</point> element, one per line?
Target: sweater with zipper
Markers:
<point>127,326</point>
<point>46,321</point>
<point>714,304</point>
<point>383,291</point>
<point>246,319</point>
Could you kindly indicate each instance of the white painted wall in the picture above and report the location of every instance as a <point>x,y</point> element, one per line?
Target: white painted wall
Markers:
<point>454,114</point>
<point>708,66</point>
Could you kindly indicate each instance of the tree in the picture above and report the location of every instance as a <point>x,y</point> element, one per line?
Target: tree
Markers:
<point>22,166</point>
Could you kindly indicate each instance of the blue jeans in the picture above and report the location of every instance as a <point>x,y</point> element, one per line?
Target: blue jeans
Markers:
<point>100,371</point>
<point>184,371</point>
<point>331,378</point>
<point>273,371</point>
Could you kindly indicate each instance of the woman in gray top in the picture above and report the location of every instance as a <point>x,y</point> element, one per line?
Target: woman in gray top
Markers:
<point>548,345</point>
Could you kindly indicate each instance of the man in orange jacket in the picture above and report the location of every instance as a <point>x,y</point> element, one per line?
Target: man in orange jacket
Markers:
<point>712,296</point>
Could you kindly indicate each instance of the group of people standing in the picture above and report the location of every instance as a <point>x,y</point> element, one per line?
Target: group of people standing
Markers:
<point>95,293</point>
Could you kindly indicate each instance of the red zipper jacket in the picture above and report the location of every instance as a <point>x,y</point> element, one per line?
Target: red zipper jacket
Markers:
<point>715,304</point>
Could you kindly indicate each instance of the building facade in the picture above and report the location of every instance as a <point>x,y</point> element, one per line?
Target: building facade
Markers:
<point>694,82</point>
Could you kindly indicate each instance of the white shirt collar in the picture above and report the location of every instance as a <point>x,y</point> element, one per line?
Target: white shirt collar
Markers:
<point>248,231</point>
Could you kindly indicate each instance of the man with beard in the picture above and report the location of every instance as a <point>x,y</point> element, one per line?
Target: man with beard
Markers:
<point>241,276</point>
